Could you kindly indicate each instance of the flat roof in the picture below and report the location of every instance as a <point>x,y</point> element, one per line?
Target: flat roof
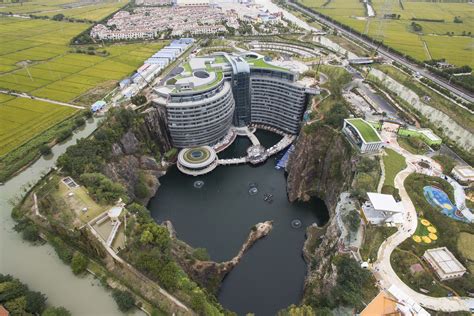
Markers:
<point>366,130</point>
<point>445,260</point>
<point>465,171</point>
<point>384,202</point>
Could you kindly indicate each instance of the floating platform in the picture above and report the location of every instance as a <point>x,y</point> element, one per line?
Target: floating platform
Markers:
<point>281,164</point>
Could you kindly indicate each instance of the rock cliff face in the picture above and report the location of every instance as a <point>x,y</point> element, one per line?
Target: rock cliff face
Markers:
<point>209,274</point>
<point>462,135</point>
<point>131,161</point>
<point>321,166</point>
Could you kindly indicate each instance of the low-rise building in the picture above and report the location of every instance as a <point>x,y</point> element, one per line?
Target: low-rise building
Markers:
<point>382,209</point>
<point>444,263</point>
<point>464,174</point>
<point>362,135</point>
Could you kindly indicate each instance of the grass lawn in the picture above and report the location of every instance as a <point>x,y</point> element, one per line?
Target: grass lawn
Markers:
<point>374,236</point>
<point>80,200</point>
<point>449,230</point>
<point>404,142</point>
<point>366,130</point>
<point>465,246</point>
<point>393,163</point>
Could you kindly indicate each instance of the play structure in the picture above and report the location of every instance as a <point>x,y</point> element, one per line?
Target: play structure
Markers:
<point>439,199</point>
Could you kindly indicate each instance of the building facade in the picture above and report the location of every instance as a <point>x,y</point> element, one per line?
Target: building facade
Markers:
<point>362,135</point>
<point>212,93</point>
<point>444,263</point>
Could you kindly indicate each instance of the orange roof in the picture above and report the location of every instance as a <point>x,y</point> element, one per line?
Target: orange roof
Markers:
<point>382,304</point>
<point>3,311</point>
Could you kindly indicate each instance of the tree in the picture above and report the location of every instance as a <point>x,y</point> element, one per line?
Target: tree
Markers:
<point>139,99</point>
<point>102,189</point>
<point>35,302</point>
<point>124,300</point>
<point>30,233</point>
<point>198,301</point>
<point>58,17</point>
<point>352,220</point>
<point>45,150</point>
<point>168,276</point>
<point>79,263</point>
<point>56,311</point>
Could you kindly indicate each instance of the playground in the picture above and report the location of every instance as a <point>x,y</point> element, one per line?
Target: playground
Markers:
<point>425,232</point>
<point>439,199</point>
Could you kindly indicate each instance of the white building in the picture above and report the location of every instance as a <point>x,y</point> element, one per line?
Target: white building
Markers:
<point>444,263</point>
<point>192,3</point>
<point>463,174</point>
<point>382,209</point>
<point>362,135</point>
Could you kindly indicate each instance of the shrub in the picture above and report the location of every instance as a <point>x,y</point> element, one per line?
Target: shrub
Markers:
<point>79,263</point>
<point>202,254</point>
<point>102,189</point>
<point>45,150</point>
<point>56,311</point>
<point>124,300</point>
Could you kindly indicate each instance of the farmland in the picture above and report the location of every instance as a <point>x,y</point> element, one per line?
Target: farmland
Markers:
<point>35,58</point>
<point>70,8</point>
<point>21,119</point>
<point>431,42</point>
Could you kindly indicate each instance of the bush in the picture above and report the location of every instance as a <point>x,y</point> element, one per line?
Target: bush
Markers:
<point>79,121</point>
<point>64,134</point>
<point>139,99</point>
<point>62,249</point>
<point>124,300</point>
<point>102,189</point>
<point>447,163</point>
<point>56,311</point>
<point>45,150</point>
<point>171,154</point>
<point>30,233</point>
<point>79,263</point>
<point>202,254</point>
<point>35,302</point>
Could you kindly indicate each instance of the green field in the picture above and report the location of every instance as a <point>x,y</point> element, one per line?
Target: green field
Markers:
<point>393,163</point>
<point>21,119</point>
<point>35,58</point>
<point>431,42</point>
<point>69,8</point>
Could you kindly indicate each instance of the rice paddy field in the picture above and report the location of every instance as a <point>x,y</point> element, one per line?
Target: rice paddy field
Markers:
<point>35,58</point>
<point>432,42</point>
<point>21,119</point>
<point>70,8</point>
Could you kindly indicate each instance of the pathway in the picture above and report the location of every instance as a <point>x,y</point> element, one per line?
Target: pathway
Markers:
<point>382,268</point>
<point>26,96</point>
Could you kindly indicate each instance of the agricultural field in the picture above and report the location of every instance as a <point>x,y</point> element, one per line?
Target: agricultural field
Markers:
<point>70,8</point>
<point>22,118</point>
<point>35,58</point>
<point>431,43</point>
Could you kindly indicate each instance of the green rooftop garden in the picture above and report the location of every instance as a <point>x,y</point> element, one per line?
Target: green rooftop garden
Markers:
<point>219,76</point>
<point>365,129</point>
<point>261,63</point>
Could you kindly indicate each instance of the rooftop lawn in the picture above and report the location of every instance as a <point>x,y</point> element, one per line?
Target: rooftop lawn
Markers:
<point>366,130</point>
<point>261,63</point>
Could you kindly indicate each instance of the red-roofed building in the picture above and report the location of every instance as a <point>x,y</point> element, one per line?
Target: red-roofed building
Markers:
<point>3,311</point>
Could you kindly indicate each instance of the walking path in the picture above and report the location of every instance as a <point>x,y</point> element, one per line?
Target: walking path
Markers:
<point>26,96</point>
<point>382,268</point>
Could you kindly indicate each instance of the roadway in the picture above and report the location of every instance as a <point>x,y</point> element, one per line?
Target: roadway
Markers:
<point>27,96</point>
<point>382,51</point>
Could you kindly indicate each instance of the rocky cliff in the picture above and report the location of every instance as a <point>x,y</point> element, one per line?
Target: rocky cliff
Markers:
<point>320,166</point>
<point>133,164</point>
<point>209,274</point>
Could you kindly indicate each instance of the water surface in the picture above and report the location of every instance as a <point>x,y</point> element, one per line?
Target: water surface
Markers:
<point>219,216</point>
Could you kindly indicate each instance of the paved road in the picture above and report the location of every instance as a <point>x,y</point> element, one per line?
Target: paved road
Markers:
<point>26,96</point>
<point>459,92</point>
<point>382,268</point>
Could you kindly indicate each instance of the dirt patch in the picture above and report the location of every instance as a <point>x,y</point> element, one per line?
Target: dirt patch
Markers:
<point>96,93</point>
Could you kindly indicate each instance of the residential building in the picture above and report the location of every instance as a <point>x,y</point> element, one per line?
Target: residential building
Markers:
<point>444,263</point>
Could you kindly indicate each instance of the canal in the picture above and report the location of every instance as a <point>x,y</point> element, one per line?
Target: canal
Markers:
<point>39,266</point>
<point>219,215</point>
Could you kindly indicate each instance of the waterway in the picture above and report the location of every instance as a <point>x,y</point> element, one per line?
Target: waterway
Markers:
<point>218,216</point>
<point>39,266</point>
